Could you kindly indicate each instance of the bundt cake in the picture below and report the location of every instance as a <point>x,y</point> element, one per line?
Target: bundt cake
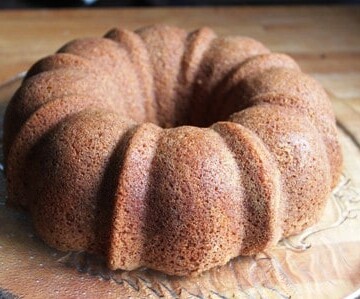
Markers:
<point>169,150</point>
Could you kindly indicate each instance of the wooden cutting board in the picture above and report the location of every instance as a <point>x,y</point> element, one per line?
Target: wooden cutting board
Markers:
<point>325,41</point>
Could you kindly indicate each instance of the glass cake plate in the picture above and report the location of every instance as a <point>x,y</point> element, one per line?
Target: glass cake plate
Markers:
<point>321,262</point>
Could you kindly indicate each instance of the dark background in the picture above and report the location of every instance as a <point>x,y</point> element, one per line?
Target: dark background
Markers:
<point>119,3</point>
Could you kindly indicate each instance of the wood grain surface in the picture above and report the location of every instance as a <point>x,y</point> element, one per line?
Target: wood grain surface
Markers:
<point>325,41</point>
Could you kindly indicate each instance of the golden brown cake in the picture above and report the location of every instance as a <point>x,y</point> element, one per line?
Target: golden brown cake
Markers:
<point>170,150</point>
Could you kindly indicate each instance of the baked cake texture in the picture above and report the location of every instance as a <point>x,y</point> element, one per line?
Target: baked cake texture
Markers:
<point>170,150</point>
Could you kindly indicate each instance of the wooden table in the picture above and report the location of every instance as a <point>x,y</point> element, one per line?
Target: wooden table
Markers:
<point>326,43</point>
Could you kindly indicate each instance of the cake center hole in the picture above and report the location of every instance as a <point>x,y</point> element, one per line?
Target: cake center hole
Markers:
<point>201,111</point>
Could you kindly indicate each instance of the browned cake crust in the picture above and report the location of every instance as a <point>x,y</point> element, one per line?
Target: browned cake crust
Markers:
<point>170,150</point>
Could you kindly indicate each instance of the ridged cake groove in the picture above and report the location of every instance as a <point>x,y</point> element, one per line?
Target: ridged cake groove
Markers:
<point>301,158</point>
<point>232,93</point>
<point>223,56</point>
<point>60,61</point>
<point>38,125</point>
<point>44,87</point>
<point>71,180</point>
<point>204,201</point>
<point>260,181</point>
<point>312,97</point>
<point>165,58</point>
<point>140,59</point>
<point>127,241</point>
<point>115,60</point>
